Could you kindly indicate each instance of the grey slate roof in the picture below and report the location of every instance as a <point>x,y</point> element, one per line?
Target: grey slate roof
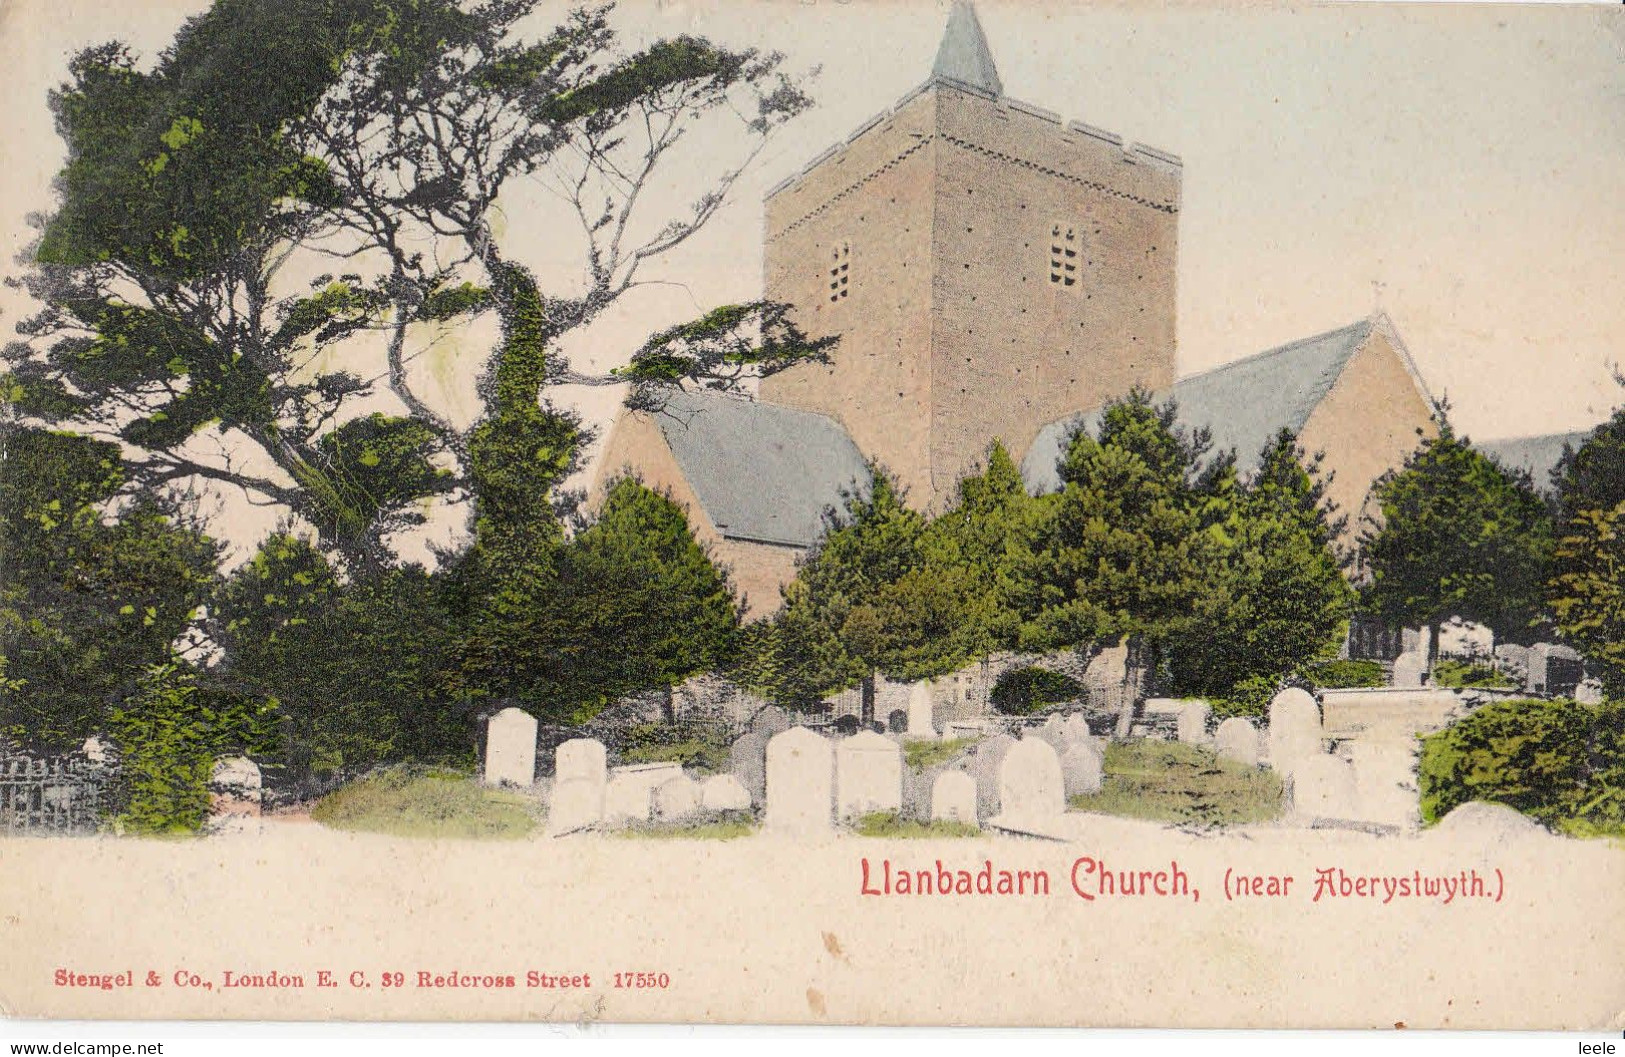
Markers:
<point>1244,403</point>
<point>964,54</point>
<point>763,472</point>
<point>1539,455</point>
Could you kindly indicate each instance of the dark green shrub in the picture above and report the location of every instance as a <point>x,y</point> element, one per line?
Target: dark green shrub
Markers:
<point>1344,675</point>
<point>1558,762</point>
<point>169,733</point>
<point>1250,697</point>
<point>1021,691</point>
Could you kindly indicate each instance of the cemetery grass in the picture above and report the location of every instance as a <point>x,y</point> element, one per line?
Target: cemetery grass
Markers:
<point>432,802</point>
<point>922,754</point>
<point>700,757</point>
<point>1467,674</point>
<point>889,824</point>
<point>1166,781</point>
<point>724,825</point>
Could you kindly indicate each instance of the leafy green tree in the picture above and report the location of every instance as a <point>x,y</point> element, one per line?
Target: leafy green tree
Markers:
<point>1277,597</point>
<point>641,605</point>
<point>1459,536</point>
<point>91,595</point>
<point>364,670</point>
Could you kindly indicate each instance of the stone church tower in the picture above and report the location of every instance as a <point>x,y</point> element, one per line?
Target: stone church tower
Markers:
<point>988,267</point>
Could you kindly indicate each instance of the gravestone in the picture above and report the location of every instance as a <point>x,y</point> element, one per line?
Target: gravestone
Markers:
<point>921,722</point>
<point>235,786</point>
<point>770,721</point>
<point>627,798</point>
<point>868,775</point>
<point>576,804</point>
<point>510,748</point>
<point>1295,731</point>
<point>984,767</point>
<point>953,798</point>
<point>800,783</point>
<point>581,758</point>
<point>724,792</point>
<point>1237,739</point>
<point>1053,732</point>
<point>1075,728</point>
<point>1323,787</point>
<point>897,721</point>
<point>1031,785</point>
<point>96,749</point>
<point>1409,669</point>
<point>629,794</point>
<point>676,799</point>
<point>917,787</point>
<point>747,761</point>
<point>1193,717</point>
<point>1081,769</point>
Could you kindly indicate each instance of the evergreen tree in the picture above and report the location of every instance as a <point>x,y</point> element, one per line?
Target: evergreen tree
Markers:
<point>1125,550</point>
<point>640,605</point>
<point>1586,590</point>
<point>363,669</point>
<point>1459,537</point>
<point>1278,597</point>
<point>833,631</point>
<point>90,596</point>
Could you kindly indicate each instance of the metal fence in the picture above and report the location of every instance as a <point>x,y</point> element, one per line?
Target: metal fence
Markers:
<point>61,794</point>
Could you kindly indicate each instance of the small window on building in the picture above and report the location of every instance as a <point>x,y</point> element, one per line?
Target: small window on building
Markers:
<point>1063,256</point>
<point>840,271</point>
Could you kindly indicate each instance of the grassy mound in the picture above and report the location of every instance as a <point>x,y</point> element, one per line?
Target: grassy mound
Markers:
<point>922,755</point>
<point>1166,781</point>
<point>431,802</point>
<point>888,824</point>
<point>724,825</point>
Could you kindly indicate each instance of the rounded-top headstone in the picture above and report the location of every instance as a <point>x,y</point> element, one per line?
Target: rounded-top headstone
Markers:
<point>868,775</point>
<point>953,798</point>
<point>770,720</point>
<point>675,799</point>
<point>1237,739</point>
<point>1193,717</point>
<point>580,758</point>
<point>1295,730</point>
<point>897,721</point>
<point>747,761</point>
<point>1081,769</point>
<point>510,748</point>
<point>800,782</point>
<point>984,767</point>
<point>724,792</point>
<point>1031,784</point>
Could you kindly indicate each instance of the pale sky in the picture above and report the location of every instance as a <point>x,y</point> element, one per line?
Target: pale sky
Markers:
<point>1461,167</point>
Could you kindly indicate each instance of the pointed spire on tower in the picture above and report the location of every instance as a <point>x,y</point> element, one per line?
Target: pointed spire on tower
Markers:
<point>963,54</point>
